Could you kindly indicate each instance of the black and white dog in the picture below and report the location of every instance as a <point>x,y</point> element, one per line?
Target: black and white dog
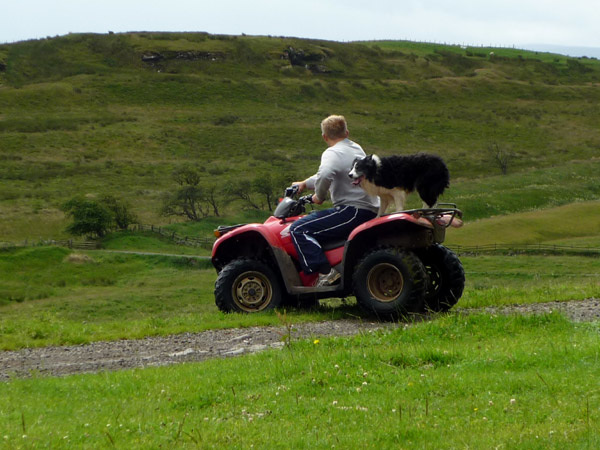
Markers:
<point>392,178</point>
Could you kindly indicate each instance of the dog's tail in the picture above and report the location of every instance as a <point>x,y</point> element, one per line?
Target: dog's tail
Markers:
<point>430,192</point>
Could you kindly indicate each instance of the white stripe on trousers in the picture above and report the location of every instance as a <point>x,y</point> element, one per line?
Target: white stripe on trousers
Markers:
<point>311,238</point>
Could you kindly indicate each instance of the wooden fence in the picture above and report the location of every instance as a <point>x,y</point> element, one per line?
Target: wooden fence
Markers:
<point>86,244</point>
<point>91,244</point>
<point>176,238</point>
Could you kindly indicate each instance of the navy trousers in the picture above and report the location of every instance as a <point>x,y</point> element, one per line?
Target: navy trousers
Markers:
<point>320,227</point>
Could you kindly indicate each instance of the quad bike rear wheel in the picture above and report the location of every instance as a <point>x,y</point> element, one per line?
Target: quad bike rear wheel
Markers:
<point>446,278</point>
<point>247,285</point>
<point>390,283</point>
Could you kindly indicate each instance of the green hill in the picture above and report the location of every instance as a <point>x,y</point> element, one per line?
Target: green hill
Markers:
<point>88,114</point>
<point>575,224</point>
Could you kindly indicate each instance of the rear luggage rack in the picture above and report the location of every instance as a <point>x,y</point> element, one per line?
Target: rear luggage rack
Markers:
<point>444,215</point>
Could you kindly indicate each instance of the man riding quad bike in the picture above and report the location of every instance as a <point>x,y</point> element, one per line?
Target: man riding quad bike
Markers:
<point>393,264</point>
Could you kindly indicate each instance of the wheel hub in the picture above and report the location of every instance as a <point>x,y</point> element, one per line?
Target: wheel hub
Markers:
<point>252,291</point>
<point>435,281</point>
<point>385,282</point>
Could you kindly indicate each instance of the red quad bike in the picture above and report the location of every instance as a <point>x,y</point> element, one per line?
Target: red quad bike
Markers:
<point>393,264</point>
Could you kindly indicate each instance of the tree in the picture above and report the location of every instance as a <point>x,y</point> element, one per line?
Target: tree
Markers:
<point>271,187</point>
<point>501,156</point>
<point>264,185</point>
<point>190,198</point>
<point>187,176</point>
<point>187,201</point>
<point>242,189</point>
<point>122,216</point>
<point>212,197</point>
<point>89,217</point>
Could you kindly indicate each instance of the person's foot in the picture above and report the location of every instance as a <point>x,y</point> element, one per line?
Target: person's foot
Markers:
<point>329,279</point>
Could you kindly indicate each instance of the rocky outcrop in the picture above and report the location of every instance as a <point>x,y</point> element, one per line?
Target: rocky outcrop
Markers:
<point>187,55</point>
<point>308,60</point>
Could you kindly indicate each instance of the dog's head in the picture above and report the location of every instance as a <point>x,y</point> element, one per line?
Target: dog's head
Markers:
<point>362,168</point>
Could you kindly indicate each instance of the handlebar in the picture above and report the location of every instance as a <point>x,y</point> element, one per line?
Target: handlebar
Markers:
<point>291,191</point>
<point>306,199</point>
<point>290,205</point>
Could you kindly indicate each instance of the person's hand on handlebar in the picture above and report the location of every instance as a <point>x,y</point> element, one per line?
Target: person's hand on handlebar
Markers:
<point>306,199</point>
<point>312,199</point>
<point>301,185</point>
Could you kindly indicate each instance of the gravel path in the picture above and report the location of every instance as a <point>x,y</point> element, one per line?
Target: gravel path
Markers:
<point>160,351</point>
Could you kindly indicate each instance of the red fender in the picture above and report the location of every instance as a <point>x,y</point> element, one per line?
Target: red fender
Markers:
<point>417,220</point>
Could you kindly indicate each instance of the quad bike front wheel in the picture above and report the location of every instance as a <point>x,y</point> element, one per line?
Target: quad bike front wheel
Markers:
<point>246,285</point>
<point>390,283</point>
<point>446,278</point>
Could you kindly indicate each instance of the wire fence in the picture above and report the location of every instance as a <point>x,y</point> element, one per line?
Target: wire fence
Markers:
<point>520,249</point>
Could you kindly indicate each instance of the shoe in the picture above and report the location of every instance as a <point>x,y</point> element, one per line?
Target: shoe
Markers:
<point>329,279</point>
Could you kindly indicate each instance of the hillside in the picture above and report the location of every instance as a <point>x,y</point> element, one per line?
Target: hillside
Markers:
<point>115,114</point>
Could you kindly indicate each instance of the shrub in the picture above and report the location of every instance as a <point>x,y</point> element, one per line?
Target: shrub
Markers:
<point>89,217</point>
<point>229,119</point>
<point>122,216</point>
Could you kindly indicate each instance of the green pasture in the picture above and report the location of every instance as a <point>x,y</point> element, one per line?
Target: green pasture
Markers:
<point>149,242</point>
<point>576,224</point>
<point>458,381</point>
<point>56,296</point>
<point>53,296</point>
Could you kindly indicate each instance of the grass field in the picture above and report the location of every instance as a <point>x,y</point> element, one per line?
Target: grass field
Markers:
<point>84,115</point>
<point>574,223</point>
<point>456,382</point>
<point>54,296</point>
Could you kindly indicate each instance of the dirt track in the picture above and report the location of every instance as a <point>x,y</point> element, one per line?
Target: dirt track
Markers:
<point>160,351</point>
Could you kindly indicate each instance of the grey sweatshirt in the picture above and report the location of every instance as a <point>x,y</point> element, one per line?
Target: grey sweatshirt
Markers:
<point>332,176</point>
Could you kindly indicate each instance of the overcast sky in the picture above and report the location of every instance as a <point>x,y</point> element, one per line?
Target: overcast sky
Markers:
<point>520,23</point>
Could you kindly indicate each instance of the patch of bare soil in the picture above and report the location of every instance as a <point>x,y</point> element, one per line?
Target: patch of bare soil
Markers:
<point>160,351</point>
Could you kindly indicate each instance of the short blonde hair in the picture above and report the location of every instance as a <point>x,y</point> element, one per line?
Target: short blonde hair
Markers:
<point>334,127</point>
